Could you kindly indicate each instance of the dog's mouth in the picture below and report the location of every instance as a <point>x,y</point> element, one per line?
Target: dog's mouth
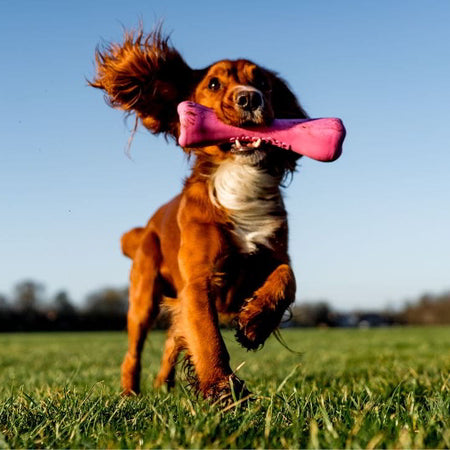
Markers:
<point>253,151</point>
<point>242,147</point>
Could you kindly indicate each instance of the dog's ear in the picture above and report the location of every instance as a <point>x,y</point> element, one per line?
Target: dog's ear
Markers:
<point>284,103</point>
<point>146,76</point>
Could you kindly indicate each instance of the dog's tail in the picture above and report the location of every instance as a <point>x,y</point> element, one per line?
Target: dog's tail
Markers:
<point>131,240</point>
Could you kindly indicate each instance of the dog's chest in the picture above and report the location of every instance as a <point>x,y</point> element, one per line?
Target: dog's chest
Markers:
<point>253,202</point>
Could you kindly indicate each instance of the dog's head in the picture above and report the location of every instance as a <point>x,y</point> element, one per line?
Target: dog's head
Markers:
<point>146,76</point>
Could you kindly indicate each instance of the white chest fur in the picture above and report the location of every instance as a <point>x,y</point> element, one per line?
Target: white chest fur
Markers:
<point>252,200</point>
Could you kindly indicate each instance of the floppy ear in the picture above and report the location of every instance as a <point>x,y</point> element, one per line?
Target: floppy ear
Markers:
<point>284,103</point>
<point>146,76</point>
<point>286,106</point>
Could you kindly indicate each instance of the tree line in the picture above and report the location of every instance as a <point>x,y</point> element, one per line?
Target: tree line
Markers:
<point>428,309</point>
<point>30,309</point>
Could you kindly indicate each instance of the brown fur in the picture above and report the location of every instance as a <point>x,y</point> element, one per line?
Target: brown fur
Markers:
<point>188,256</point>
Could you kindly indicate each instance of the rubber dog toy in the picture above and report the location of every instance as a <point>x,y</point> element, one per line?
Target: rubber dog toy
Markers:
<point>319,139</point>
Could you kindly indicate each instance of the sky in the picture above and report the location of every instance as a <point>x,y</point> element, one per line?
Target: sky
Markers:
<point>370,230</point>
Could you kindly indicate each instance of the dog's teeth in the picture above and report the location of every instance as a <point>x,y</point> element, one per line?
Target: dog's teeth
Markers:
<point>257,143</point>
<point>237,143</point>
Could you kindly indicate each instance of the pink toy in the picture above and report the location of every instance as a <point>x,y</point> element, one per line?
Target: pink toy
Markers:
<point>320,139</point>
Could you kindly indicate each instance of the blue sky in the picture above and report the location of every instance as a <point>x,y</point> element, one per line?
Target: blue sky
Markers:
<point>369,230</point>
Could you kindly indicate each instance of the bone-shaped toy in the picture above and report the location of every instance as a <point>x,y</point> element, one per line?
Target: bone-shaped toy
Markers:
<point>320,139</point>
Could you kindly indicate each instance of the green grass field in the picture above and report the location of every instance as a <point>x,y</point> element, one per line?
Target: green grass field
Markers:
<point>378,388</point>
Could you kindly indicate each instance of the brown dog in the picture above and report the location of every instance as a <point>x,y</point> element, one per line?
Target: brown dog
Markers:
<point>219,249</point>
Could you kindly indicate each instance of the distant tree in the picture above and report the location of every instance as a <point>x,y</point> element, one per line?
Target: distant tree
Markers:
<point>5,314</point>
<point>4,305</point>
<point>428,309</point>
<point>311,314</point>
<point>108,301</point>
<point>28,296</point>
<point>62,305</point>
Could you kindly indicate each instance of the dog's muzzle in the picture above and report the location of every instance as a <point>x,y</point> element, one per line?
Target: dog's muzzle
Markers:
<point>249,103</point>
<point>248,99</point>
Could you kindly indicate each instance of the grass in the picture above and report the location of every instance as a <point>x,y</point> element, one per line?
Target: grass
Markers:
<point>378,388</point>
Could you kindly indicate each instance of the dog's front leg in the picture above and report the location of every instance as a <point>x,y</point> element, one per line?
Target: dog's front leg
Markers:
<point>262,313</point>
<point>200,245</point>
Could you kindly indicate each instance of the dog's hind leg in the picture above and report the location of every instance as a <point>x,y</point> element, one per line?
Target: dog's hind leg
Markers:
<point>144,300</point>
<point>172,349</point>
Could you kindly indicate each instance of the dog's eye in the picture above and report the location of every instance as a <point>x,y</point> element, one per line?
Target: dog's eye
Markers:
<point>214,84</point>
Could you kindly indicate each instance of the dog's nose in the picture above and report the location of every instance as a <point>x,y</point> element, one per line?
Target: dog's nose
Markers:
<point>249,100</point>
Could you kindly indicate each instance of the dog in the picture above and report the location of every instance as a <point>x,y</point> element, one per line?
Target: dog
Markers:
<point>219,250</point>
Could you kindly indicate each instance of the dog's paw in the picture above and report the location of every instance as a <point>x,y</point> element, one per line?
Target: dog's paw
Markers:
<point>227,392</point>
<point>130,375</point>
<point>256,321</point>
